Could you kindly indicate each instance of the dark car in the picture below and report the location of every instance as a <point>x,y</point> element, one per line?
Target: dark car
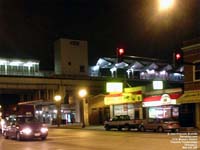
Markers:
<point>160,125</point>
<point>25,128</point>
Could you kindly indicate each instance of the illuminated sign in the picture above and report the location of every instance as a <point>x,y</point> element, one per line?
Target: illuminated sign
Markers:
<point>114,87</point>
<point>157,85</point>
<point>159,100</point>
<point>131,95</point>
<point>160,112</point>
<point>122,98</point>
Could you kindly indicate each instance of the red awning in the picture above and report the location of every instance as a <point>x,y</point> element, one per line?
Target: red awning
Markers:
<point>158,97</point>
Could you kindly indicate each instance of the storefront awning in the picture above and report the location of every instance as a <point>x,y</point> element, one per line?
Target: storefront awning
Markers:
<point>159,100</point>
<point>189,97</point>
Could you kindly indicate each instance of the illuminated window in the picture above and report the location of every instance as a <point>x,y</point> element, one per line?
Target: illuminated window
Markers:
<point>197,71</point>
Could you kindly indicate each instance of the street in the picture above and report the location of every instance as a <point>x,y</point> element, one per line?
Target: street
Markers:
<point>83,139</point>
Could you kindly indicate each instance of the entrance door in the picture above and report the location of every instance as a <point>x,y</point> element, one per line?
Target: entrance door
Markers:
<point>187,115</point>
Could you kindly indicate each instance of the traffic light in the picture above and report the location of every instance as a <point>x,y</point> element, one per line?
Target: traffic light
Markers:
<point>178,59</point>
<point>120,54</point>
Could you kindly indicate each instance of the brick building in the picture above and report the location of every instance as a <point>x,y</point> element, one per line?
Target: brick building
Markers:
<point>190,100</point>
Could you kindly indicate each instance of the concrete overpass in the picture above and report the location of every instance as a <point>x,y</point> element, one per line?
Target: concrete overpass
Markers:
<point>37,88</point>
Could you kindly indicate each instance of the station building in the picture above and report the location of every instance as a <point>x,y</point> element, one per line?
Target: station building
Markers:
<point>72,72</point>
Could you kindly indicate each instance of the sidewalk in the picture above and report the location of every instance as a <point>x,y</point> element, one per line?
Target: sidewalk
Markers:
<point>67,126</point>
<point>190,129</point>
<point>101,127</point>
<point>78,126</point>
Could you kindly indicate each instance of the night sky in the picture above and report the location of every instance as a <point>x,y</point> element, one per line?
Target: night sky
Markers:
<point>28,28</point>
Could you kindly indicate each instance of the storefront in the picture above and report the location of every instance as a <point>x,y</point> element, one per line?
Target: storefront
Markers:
<point>190,104</point>
<point>128,102</point>
<point>162,106</point>
<point>47,113</point>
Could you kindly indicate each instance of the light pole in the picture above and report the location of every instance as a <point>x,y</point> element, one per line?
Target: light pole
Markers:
<point>57,99</point>
<point>82,94</point>
<point>165,7</point>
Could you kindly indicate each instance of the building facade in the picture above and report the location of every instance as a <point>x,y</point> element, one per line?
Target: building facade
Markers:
<point>190,100</point>
<point>71,57</point>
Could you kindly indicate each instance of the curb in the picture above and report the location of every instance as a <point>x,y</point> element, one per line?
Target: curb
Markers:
<point>67,127</point>
<point>77,127</point>
<point>101,127</point>
<point>190,129</point>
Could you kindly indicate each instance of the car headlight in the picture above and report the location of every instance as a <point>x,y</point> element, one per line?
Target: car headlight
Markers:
<point>44,130</point>
<point>26,131</point>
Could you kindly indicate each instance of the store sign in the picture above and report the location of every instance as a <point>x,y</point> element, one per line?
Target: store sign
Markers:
<point>114,87</point>
<point>157,85</point>
<point>160,100</point>
<point>130,95</point>
<point>122,98</point>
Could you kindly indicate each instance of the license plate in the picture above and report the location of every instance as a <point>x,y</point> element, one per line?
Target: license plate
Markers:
<point>37,134</point>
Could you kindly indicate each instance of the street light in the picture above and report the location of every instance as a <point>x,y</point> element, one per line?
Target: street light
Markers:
<point>82,94</point>
<point>165,4</point>
<point>57,99</point>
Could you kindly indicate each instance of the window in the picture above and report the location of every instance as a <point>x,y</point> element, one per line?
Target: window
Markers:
<point>82,68</point>
<point>74,43</point>
<point>197,71</point>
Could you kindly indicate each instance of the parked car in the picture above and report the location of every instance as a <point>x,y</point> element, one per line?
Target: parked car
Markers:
<point>122,121</point>
<point>160,125</point>
<point>25,128</point>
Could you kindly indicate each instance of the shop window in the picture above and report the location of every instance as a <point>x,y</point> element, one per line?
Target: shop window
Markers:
<point>160,112</point>
<point>197,71</point>
<point>175,112</point>
<point>115,118</point>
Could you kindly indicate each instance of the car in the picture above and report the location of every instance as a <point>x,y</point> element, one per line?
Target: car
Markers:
<point>160,125</point>
<point>21,128</point>
<point>122,121</point>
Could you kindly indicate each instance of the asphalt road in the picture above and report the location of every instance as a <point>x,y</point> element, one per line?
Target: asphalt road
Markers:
<point>83,139</point>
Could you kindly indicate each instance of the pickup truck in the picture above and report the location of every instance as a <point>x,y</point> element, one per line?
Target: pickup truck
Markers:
<point>122,121</point>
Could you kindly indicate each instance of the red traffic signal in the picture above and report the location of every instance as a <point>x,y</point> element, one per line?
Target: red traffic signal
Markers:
<point>178,56</point>
<point>178,59</point>
<point>120,52</point>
